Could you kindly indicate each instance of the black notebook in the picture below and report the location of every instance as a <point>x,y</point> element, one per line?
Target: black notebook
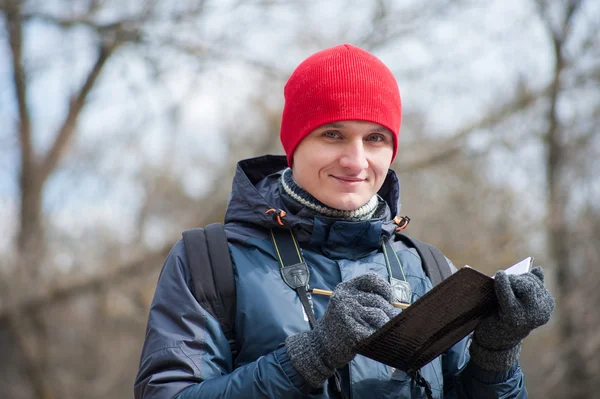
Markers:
<point>437,320</point>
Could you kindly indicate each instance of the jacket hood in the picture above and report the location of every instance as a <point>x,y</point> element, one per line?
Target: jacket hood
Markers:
<point>256,189</point>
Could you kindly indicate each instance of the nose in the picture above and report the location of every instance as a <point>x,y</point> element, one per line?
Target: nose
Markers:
<point>354,156</point>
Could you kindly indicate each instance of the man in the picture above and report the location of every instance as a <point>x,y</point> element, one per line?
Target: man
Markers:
<point>334,193</point>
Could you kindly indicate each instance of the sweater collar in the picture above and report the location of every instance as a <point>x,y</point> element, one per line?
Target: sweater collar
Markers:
<point>303,197</point>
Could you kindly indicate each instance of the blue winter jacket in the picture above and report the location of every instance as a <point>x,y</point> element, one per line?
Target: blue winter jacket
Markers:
<point>186,354</point>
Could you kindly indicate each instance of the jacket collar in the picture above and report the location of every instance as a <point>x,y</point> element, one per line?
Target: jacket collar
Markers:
<point>256,189</point>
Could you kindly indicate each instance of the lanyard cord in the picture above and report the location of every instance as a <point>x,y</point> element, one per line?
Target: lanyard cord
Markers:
<point>394,262</point>
<point>400,285</point>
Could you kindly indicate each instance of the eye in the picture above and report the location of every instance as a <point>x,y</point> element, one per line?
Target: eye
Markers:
<point>331,134</point>
<point>376,137</point>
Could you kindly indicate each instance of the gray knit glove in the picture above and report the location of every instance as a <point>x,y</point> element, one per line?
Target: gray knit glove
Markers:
<point>524,304</point>
<point>356,309</point>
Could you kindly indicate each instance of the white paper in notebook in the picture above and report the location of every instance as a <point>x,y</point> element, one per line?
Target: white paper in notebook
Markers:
<point>522,267</point>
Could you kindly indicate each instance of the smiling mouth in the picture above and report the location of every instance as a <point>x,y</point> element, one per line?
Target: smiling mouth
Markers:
<point>348,179</point>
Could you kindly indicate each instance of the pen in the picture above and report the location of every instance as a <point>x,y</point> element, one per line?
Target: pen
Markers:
<point>329,293</point>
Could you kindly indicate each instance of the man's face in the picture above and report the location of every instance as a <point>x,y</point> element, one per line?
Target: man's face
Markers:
<point>343,164</point>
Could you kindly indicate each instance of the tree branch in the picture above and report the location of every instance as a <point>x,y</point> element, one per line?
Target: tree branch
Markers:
<point>15,34</point>
<point>453,144</point>
<point>388,25</point>
<point>77,103</point>
<point>85,20</point>
<point>52,295</point>
<point>428,161</point>
<point>208,51</point>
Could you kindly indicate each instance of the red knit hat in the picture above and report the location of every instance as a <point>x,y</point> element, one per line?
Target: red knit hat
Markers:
<point>339,83</point>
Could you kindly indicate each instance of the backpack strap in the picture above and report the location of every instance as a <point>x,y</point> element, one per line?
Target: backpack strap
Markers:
<point>434,262</point>
<point>212,275</point>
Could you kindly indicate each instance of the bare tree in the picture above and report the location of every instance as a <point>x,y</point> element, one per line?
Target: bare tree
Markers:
<point>567,51</point>
<point>29,330</point>
<point>21,312</point>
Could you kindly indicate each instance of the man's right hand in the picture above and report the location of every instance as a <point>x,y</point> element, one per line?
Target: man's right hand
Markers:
<point>358,307</point>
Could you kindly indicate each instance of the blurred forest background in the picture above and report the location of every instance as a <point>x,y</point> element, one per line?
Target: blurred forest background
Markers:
<point>121,123</point>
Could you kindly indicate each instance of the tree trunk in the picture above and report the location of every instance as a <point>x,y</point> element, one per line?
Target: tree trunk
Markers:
<point>558,226</point>
<point>31,241</point>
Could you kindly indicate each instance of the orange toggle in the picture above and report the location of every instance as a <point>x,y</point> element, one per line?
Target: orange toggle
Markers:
<point>278,214</point>
<point>402,222</point>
